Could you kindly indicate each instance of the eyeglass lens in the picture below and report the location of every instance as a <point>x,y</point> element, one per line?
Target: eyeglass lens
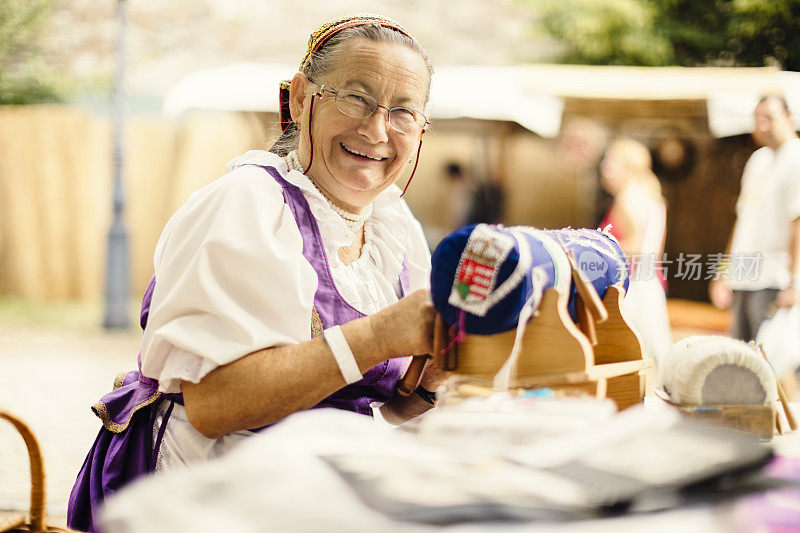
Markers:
<point>361,105</point>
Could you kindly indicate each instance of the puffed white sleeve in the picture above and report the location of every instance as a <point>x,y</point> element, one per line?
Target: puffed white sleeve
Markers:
<point>418,255</point>
<point>230,279</point>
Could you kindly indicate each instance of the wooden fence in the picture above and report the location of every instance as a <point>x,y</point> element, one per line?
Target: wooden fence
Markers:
<point>55,190</point>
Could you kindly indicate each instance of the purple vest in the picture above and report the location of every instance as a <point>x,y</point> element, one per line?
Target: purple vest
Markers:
<point>124,447</point>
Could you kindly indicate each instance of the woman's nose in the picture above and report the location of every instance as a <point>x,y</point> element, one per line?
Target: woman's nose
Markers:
<point>376,126</point>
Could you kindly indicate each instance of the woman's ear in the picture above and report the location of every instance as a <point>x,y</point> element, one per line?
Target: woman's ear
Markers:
<point>297,96</point>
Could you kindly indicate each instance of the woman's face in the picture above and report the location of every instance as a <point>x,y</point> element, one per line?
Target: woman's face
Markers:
<point>613,173</point>
<point>356,159</point>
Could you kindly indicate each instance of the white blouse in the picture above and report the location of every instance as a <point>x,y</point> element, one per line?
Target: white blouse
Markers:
<point>231,279</point>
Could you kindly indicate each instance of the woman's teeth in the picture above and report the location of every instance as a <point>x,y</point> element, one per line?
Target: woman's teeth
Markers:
<point>356,152</point>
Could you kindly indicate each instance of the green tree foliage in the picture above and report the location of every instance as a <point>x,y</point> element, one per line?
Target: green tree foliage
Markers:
<point>675,32</point>
<point>25,78</point>
<point>766,28</point>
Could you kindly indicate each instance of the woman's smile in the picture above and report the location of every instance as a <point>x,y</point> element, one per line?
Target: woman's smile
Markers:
<point>362,154</point>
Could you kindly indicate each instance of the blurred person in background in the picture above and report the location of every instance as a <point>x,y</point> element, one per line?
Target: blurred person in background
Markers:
<point>488,202</point>
<point>638,219</point>
<point>766,231</point>
<point>459,194</point>
<point>456,204</point>
<point>297,280</point>
<point>767,224</point>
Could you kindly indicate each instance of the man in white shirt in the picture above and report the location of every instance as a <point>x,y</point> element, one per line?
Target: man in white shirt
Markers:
<point>764,249</point>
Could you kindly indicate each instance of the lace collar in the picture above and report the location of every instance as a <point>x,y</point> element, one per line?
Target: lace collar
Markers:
<point>386,232</point>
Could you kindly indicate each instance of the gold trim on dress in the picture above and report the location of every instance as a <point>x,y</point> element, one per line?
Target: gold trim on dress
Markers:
<point>102,413</point>
<point>119,380</point>
<point>316,323</point>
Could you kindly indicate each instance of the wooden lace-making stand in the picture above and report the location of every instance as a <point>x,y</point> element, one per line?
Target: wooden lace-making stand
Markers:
<point>601,355</point>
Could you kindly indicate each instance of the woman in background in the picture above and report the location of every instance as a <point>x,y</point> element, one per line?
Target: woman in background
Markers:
<point>638,219</point>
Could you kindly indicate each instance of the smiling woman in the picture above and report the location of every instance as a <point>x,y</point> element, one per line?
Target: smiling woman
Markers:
<point>297,280</point>
<point>376,67</point>
<point>359,157</point>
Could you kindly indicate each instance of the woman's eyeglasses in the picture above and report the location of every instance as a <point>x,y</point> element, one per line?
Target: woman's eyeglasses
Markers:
<point>361,105</point>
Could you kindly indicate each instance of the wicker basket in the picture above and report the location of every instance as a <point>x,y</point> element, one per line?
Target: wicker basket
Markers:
<point>16,521</point>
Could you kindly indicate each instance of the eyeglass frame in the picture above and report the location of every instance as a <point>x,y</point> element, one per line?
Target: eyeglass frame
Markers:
<point>335,93</point>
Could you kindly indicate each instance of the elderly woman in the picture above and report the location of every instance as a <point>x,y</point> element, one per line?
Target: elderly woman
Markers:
<point>297,280</point>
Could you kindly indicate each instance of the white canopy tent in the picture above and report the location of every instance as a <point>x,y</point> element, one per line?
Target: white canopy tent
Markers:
<point>531,95</point>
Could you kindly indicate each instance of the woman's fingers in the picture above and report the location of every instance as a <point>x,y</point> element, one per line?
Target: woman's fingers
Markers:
<point>406,327</point>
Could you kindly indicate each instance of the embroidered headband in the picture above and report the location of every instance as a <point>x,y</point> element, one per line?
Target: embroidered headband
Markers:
<point>315,42</point>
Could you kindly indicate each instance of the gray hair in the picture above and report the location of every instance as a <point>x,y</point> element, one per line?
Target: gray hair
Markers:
<point>328,56</point>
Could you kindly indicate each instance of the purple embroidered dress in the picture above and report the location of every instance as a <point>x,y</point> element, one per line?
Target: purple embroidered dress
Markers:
<point>124,447</point>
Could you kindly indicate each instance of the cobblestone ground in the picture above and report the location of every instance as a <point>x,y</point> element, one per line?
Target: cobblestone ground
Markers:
<point>50,379</point>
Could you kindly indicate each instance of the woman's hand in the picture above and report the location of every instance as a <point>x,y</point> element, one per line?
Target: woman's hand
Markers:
<point>405,327</point>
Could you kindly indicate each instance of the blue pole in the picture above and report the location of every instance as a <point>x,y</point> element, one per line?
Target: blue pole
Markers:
<point>117,265</point>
